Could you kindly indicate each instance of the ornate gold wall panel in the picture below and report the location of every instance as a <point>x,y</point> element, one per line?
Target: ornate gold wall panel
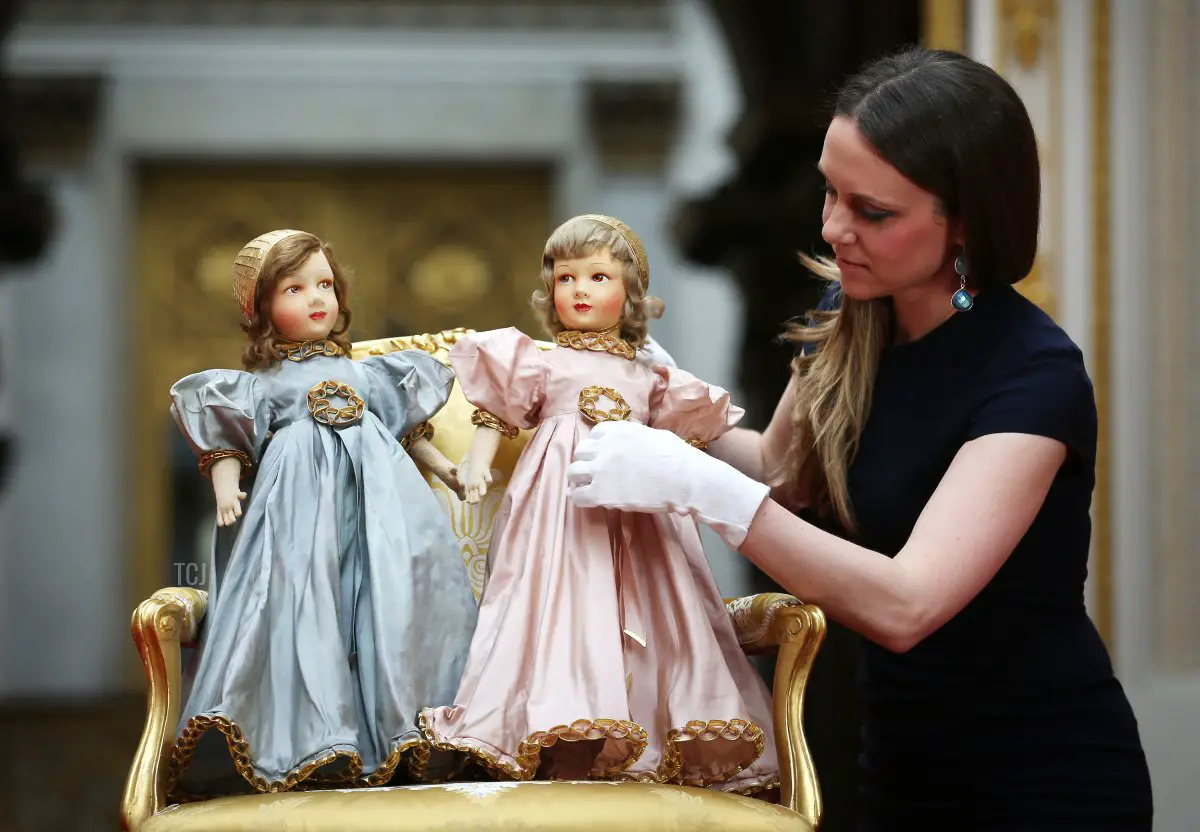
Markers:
<point>428,248</point>
<point>1173,247</point>
<point>944,24</point>
<point>1101,333</point>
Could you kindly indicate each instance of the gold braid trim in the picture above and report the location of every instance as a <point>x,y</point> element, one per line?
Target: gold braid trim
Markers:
<point>529,752</point>
<point>302,350</point>
<point>608,340</point>
<point>697,443</point>
<point>421,431</point>
<point>300,778</point>
<point>528,755</point>
<point>489,420</point>
<point>734,730</point>
<point>207,460</point>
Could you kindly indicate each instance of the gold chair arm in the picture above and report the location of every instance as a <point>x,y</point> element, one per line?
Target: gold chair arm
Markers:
<point>799,632</point>
<point>161,625</point>
<point>754,618</point>
<point>773,621</point>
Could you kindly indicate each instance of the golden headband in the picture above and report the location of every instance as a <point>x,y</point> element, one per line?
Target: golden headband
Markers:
<point>632,240</point>
<point>247,266</point>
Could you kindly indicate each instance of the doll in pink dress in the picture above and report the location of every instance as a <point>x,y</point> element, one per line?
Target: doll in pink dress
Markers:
<point>603,648</point>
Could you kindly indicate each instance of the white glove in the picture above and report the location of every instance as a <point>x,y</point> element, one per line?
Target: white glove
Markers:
<point>652,354</point>
<point>630,467</point>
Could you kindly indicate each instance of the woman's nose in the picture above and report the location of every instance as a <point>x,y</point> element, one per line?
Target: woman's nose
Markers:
<point>836,230</point>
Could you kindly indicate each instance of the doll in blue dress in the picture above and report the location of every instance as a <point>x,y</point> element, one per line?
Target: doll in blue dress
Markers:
<point>342,606</point>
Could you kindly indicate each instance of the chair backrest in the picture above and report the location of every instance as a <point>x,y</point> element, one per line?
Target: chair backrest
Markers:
<point>452,432</point>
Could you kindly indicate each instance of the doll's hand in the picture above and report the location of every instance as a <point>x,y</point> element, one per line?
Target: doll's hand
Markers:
<point>631,467</point>
<point>475,481</point>
<point>229,503</point>
<point>448,474</point>
<point>225,474</point>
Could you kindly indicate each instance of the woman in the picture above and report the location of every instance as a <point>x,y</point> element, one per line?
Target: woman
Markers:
<point>943,430</point>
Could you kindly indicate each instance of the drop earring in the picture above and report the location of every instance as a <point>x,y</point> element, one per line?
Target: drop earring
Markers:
<point>961,300</point>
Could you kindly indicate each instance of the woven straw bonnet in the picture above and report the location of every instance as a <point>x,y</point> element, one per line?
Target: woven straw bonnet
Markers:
<point>247,267</point>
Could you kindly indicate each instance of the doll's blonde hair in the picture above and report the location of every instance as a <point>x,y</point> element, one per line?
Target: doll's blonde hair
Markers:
<point>588,234</point>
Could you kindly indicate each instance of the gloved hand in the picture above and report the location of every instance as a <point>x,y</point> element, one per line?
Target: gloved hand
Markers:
<point>630,467</point>
<point>651,354</point>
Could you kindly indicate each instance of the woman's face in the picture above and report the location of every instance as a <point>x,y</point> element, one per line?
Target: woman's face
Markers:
<point>304,306</point>
<point>887,234</point>
<point>589,292</point>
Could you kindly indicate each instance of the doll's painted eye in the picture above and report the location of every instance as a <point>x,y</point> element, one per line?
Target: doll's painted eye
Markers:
<point>565,278</point>
<point>600,278</point>
<point>326,284</point>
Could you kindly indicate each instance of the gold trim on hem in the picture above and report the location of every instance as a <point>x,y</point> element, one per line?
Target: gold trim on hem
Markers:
<point>529,752</point>
<point>297,779</point>
<point>528,756</point>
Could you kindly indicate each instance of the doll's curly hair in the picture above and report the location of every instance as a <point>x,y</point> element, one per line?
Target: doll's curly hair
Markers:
<point>580,237</point>
<point>285,258</point>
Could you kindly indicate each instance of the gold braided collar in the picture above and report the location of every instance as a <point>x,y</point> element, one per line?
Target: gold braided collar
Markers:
<point>609,341</point>
<point>301,350</point>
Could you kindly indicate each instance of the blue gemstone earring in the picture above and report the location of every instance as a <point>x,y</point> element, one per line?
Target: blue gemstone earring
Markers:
<point>961,300</point>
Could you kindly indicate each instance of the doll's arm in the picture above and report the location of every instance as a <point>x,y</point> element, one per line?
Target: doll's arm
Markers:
<point>476,467</point>
<point>426,454</point>
<point>225,473</point>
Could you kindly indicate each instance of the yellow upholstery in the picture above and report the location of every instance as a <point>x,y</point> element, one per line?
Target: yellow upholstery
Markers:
<point>171,617</point>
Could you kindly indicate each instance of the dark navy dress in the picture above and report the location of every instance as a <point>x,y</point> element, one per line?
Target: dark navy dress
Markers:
<point>1009,717</point>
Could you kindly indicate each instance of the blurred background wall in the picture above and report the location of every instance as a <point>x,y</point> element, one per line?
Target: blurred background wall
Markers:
<point>436,144</point>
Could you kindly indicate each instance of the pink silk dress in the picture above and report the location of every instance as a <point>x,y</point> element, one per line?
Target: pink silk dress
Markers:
<point>603,648</point>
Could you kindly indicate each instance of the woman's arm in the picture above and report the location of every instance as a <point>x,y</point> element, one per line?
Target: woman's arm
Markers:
<point>757,455</point>
<point>980,511</point>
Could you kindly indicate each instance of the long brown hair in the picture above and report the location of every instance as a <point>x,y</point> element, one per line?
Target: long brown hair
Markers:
<point>958,130</point>
<point>285,258</point>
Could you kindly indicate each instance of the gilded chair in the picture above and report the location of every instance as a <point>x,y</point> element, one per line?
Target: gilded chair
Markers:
<point>170,619</point>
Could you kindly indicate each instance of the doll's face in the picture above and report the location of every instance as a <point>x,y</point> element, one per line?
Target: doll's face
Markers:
<point>589,292</point>
<point>304,306</point>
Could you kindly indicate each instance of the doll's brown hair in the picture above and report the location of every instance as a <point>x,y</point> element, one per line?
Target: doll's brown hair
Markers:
<point>285,258</point>
<point>579,237</point>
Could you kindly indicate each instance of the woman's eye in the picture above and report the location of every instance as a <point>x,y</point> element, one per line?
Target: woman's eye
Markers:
<point>874,214</point>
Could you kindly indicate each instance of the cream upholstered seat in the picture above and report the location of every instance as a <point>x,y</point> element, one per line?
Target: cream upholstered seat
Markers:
<point>170,619</point>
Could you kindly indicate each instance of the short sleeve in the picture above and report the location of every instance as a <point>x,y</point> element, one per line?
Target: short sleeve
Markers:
<point>1050,395</point>
<point>406,388</point>
<point>503,373</point>
<point>690,408</point>
<point>222,413</point>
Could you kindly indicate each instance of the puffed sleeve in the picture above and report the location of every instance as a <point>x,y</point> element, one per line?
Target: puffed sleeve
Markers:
<point>503,373</point>
<point>688,407</point>
<point>222,413</point>
<point>406,389</point>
